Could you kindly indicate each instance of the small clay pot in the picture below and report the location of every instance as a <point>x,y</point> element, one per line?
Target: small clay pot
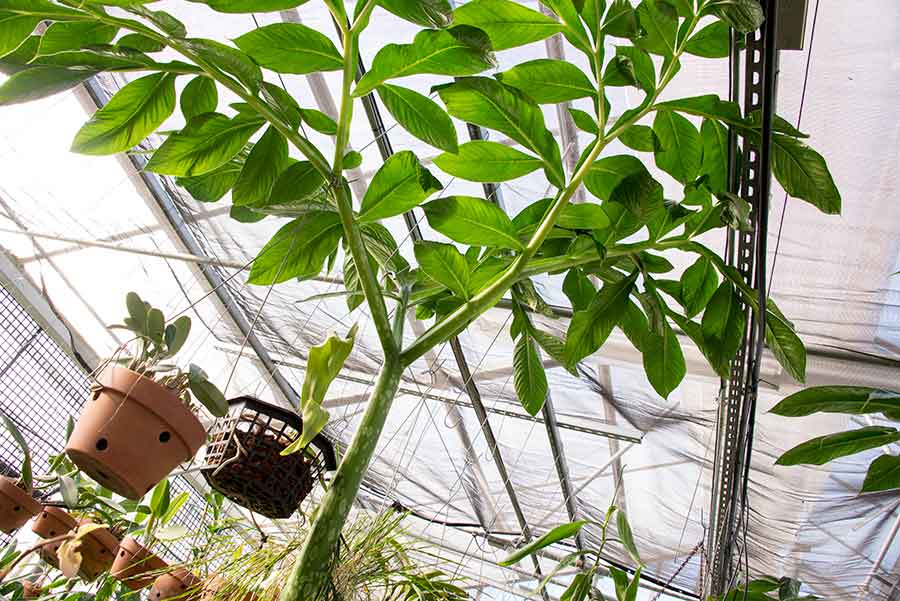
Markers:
<point>177,584</point>
<point>132,432</point>
<point>50,523</point>
<point>135,565</point>
<point>98,550</point>
<point>16,506</point>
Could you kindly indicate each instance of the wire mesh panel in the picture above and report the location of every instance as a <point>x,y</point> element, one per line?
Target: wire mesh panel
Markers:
<point>40,388</point>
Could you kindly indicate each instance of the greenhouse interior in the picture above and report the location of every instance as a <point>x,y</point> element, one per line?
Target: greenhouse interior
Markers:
<point>449,300</point>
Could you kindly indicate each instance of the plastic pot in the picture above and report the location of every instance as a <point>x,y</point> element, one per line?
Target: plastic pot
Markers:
<point>50,523</point>
<point>136,565</point>
<point>177,584</point>
<point>16,506</point>
<point>98,550</point>
<point>132,432</point>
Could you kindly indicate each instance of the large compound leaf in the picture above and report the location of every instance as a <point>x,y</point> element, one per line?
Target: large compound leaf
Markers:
<point>456,51</point>
<point>473,221</point>
<point>290,48</point>
<point>487,162</point>
<point>298,250</point>
<point>489,103</point>
<point>399,185</point>
<point>823,449</point>
<point>508,24</point>
<point>132,114</point>
<point>207,142</point>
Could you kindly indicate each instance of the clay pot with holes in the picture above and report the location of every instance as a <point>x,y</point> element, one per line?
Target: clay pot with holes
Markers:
<point>16,506</point>
<point>132,432</point>
<point>177,584</point>
<point>50,523</point>
<point>98,550</point>
<point>135,565</point>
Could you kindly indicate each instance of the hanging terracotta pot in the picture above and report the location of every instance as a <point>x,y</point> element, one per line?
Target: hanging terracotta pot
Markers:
<point>50,523</point>
<point>16,506</point>
<point>177,584</point>
<point>98,550</point>
<point>136,565</point>
<point>132,433</point>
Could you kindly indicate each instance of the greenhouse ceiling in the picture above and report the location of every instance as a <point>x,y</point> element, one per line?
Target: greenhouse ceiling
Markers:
<point>480,464</point>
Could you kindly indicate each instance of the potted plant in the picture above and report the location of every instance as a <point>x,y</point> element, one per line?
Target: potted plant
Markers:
<point>618,236</point>
<point>136,565</point>
<point>140,423</point>
<point>249,460</point>
<point>17,505</point>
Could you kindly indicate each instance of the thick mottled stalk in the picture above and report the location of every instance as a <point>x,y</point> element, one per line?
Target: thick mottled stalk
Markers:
<point>311,571</point>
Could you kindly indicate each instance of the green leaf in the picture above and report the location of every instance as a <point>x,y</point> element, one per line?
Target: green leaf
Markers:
<point>784,343</point>
<point>64,36</point>
<point>137,41</point>
<point>352,160</point>
<point>174,506</point>
<point>698,285</point>
<point>267,159</point>
<point>228,59</point>
<point>549,81</point>
<point>590,328</point>
<point>622,21</point>
<point>663,361</point>
<point>508,24</point>
<point>160,499</point>
<point>471,220</point>
<point>297,250</point>
<point>583,216</point>
<point>640,138</point>
<point>660,24</point>
<point>709,105</point>
<point>631,66</point>
<point>559,533</point>
<point>319,121</point>
<point>578,289</point>
<point>14,30</point>
<point>206,392</point>
<point>529,377</point>
<point>592,14</point>
<point>823,449</point>
<point>579,588</point>
<point>250,6</point>
<point>627,538</point>
<point>324,363</point>
<point>40,8</point>
<point>487,162</point>
<point>456,51</point>
<point>198,97</point>
<point>803,174</point>
<point>883,474</point>
<point>69,491</point>
<point>177,334</point>
<point>712,41</point>
<point>606,174</point>
<point>714,137</point>
<point>212,186</point>
<point>427,13</point>
<point>171,533</point>
<point>683,148</point>
<point>584,121</point>
<point>632,590</point>
<point>444,264</point>
<point>162,20</point>
<point>132,114</point>
<point>399,185</point>
<point>40,82</point>
<point>299,182</point>
<point>489,103</point>
<point>743,15</point>
<point>290,48</point>
<point>735,212</point>
<point>854,400</point>
<point>207,142</point>
<point>25,473</point>
<point>718,311</point>
<point>640,194</point>
<point>420,116</point>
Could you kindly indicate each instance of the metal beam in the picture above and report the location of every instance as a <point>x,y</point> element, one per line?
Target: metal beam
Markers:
<point>185,237</point>
<point>562,466</point>
<point>604,378</point>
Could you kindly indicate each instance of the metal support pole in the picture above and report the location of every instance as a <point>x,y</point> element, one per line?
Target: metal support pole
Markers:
<point>562,466</point>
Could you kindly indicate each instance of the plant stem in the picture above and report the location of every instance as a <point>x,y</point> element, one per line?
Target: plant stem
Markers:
<point>311,572</point>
